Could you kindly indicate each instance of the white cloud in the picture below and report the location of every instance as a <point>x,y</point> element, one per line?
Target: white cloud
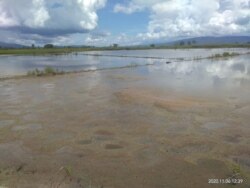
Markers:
<point>107,39</point>
<point>35,15</point>
<point>136,5</point>
<point>182,18</point>
<point>131,8</point>
<point>23,13</point>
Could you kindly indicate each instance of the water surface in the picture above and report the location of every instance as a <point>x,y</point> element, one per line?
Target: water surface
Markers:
<point>164,125</point>
<point>19,65</point>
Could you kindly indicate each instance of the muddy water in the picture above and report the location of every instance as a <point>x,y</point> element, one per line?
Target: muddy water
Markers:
<point>175,125</point>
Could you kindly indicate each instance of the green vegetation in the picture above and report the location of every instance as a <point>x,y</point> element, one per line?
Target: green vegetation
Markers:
<point>68,170</point>
<point>236,169</point>
<point>182,43</point>
<point>115,45</point>
<point>224,55</point>
<point>49,49</point>
<point>48,71</point>
<point>48,46</point>
<point>41,51</point>
<point>133,65</point>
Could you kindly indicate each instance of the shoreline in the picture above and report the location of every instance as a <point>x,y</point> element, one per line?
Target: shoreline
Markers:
<point>61,51</point>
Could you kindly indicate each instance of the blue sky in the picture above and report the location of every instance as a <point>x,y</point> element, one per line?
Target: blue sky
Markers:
<point>126,22</point>
<point>120,22</point>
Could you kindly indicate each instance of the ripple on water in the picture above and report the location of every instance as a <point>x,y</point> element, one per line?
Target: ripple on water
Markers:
<point>29,117</point>
<point>5,123</point>
<point>147,156</point>
<point>48,86</point>
<point>113,146</point>
<point>13,153</point>
<point>232,138</point>
<point>214,125</point>
<point>27,127</point>
<point>58,137</point>
<point>191,148</point>
<point>85,142</point>
<point>13,112</point>
<point>245,110</point>
<point>103,135</point>
<point>242,160</point>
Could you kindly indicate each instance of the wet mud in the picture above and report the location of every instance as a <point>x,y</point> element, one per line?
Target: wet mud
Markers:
<point>100,130</point>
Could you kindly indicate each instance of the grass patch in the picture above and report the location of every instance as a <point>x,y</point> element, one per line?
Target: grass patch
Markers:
<point>236,169</point>
<point>42,51</point>
<point>47,71</point>
<point>224,55</point>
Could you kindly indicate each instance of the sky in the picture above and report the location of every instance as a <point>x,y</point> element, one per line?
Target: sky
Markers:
<point>125,22</point>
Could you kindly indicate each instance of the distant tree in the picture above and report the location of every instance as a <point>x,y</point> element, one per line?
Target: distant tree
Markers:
<point>152,45</point>
<point>48,46</point>
<point>189,43</point>
<point>115,45</point>
<point>182,43</point>
<point>33,46</point>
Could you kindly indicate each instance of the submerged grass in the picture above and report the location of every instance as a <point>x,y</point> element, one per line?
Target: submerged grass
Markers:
<point>50,71</point>
<point>224,55</point>
<point>47,71</point>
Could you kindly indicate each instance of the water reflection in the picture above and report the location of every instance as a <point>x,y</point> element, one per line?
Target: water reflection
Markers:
<point>237,68</point>
<point>187,54</point>
<point>20,65</point>
<point>211,76</point>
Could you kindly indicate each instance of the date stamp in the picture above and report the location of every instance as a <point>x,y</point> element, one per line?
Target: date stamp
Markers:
<point>225,181</point>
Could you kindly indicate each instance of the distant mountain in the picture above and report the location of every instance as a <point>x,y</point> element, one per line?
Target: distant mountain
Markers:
<point>212,40</point>
<point>10,45</point>
<point>200,41</point>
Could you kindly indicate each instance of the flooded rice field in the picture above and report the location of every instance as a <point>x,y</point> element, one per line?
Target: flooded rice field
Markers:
<point>94,60</point>
<point>170,54</point>
<point>176,125</point>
